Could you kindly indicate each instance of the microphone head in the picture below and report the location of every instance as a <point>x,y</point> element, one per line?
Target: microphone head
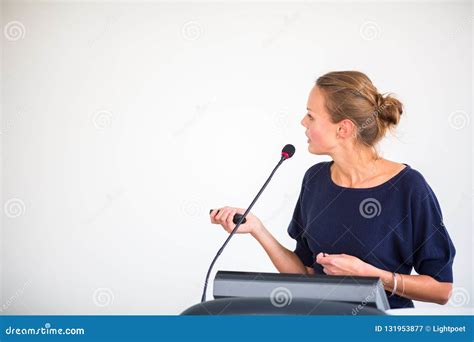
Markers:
<point>288,151</point>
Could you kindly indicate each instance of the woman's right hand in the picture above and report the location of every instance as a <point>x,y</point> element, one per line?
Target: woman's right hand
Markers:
<point>225,218</point>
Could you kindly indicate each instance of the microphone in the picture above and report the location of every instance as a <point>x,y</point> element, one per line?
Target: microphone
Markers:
<point>287,152</point>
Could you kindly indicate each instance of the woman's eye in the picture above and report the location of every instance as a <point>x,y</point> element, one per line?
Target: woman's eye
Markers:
<point>310,117</point>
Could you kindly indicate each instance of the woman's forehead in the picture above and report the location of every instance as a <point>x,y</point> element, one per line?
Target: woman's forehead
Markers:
<point>315,100</point>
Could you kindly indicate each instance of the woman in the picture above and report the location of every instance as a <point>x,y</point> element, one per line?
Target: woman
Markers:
<point>360,214</point>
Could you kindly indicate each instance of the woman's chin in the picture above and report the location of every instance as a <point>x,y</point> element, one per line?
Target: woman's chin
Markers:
<point>314,150</point>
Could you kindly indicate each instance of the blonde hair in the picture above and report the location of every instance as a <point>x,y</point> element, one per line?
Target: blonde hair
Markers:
<point>351,95</point>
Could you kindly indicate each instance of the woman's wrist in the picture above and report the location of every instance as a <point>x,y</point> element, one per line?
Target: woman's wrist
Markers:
<point>257,231</point>
<point>386,277</point>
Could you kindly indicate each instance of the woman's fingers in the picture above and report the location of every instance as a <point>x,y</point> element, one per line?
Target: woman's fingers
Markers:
<point>217,215</point>
<point>326,259</point>
<point>222,215</point>
<point>213,214</point>
<point>329,270</point>
<point>320,258</point>
<point>225,214</point>
<point>225,217</point>
<point>230,219</point>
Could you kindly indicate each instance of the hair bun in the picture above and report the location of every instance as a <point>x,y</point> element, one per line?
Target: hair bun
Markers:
<point>390,109</point>
<point>379,100</point>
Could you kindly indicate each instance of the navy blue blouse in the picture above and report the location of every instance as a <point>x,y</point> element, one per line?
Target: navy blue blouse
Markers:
<point>395,226</point>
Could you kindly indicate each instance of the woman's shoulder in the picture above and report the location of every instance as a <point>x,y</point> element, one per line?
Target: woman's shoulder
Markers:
<point>317,169</point>
<point>411,179</point>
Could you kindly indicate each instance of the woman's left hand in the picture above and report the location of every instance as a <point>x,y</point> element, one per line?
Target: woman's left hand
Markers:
<point>343,264</point>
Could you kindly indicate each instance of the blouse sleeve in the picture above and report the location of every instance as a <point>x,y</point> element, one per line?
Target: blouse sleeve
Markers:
<point>433,250</point>
<point>296,229</point>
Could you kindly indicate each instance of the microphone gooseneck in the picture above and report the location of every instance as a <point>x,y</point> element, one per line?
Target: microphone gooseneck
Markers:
<point>287,152</point>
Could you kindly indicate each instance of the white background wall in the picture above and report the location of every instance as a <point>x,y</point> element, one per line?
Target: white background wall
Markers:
<point>123,123</point>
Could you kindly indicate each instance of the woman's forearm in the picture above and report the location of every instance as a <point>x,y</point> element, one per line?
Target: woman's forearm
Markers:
<point>284,260</point>
<point>416,287</point>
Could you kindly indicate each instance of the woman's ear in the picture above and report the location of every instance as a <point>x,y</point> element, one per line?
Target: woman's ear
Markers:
<point>346,129</point>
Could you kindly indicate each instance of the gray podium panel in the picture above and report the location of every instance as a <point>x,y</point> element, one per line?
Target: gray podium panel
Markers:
<point>364,291</point>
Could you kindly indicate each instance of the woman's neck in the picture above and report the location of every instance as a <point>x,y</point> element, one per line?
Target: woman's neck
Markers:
<point>353,167</point>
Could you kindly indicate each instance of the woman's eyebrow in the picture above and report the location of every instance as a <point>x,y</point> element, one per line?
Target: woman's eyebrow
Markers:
<point>309,109</point>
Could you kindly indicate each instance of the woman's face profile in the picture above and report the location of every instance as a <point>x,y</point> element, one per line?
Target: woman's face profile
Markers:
<point>320,131</point>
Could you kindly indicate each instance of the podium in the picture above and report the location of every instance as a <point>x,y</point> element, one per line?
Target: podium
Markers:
<point>250,293</point>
